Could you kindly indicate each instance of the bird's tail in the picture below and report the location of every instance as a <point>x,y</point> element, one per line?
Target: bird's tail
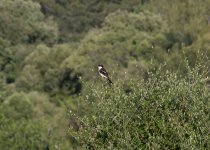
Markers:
<point>109,80</point>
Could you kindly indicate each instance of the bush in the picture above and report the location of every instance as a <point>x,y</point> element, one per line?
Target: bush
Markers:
<point>19,134</point>
<point>31,121</point>
<point>165,112</point>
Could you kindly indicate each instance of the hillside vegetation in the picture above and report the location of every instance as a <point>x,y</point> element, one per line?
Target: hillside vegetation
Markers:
<point>156,52</point>
<point>164,112</point>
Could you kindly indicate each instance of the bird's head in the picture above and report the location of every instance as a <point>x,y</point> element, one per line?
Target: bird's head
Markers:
<point>100,66</point>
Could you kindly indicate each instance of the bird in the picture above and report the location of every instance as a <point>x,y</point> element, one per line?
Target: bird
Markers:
<point>103,73</point>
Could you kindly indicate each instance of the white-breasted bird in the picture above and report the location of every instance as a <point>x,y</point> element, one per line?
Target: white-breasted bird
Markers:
<point>103,73</point>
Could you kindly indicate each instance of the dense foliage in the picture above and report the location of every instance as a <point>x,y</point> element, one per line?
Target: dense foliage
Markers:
<point>49,52</point>
<point>164,112</point>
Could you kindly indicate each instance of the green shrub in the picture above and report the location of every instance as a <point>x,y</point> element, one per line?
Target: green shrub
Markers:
<point>31,121</point>
<point>164,112</point>
<point>19,134</point>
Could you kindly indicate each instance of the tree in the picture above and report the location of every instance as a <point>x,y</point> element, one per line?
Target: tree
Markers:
<point>79,16</point>
<point>126,42</point>
<point>23,22</point>
<point>21,135</point>
<point>43,71</point>
<point>31,121</point>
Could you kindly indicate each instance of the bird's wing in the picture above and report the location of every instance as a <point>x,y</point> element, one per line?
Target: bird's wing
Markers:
<point>103,71</point>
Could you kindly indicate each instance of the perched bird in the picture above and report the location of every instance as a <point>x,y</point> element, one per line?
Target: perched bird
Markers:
<point>103,73</point>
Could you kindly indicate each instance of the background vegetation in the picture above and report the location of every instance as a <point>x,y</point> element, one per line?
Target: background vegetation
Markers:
<point>157,54</point>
